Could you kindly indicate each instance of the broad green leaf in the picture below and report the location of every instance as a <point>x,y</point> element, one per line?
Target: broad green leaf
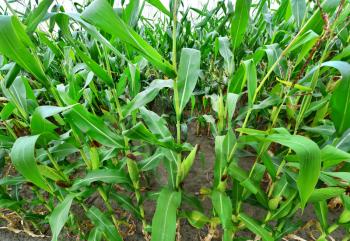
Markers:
<point>12,180</point>
<point>140,132</point>
<point>326,193</point>
<point>186,165</point>
<point>321,210</point>
<point>11,75</point>
<point>39,124</point>
<point>101,14</point>
<point>131,12</point>
<point>231,103</point>
<point>23,158</point>
<point>158,4</point>
<point>299,8</point>
<point>99,71</point>
<point>102,175</point>
<point>220,160</point>
<point>103,223</point>
<point>248,183</point>
<point>273,52</point>
<point>146,96</point>
<point>9,204</point>
<point>340,100</point>
<point>188,73</point>
<point>15,44</point>
<point>197,219</point>
<point>126,203</point>
<point>155,123</point>
<point>164,219</point>
<point>59,216</point>
<point>223,147</point>
<point>32,21</point>
<point>255,227</point>
<point>17,95</point>
<point>50,173</point>
<point>331,156</point>
<point>93,126</point>
<point>95,234</point>
<point>250,75</point>
<point>309,156</point>
<point>225,52</point>
<point>6,141</point>
<point>315,22</point>
<point>158,127</point>
<point>240,22</point>
<point>223,207</point>
<point>7,110</point>
<point>151,162</point>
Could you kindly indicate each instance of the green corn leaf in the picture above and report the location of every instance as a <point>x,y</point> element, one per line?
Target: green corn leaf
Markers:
<point>140,132</point>
<point>188,73</point>
<point>309,156</point>
<point>146,96</point>
<point>231,104</point>
<point>223,207</point>
<point>332,156</point>
<point>131,12</point>
<point>99,71</point>
<point>12,180</point>
<point>255,227</point>
<point>151,162</point>
<point>95,235</point>
<point>225,52</point>
<point>9,204</point>
<point>164,219</point>
<point>187,164</point>
<point>197,219</point>
<point>103,223</point>
<point>37,15</point>
<point>17,95</point>
<point>155,123</point>
<point>240,22</point>
<point>23,158</point>
<point>158,4</point>
<point>326,193</point>
<point>7,110</point>
<point>126,203</point>
<point>223,146</point>
<point>158,127</point>
<point>93,126</point>
<point>59,217</point>
<point>11,75</point>
<point>6,141</point>
<point>32,21</point>
<point>315,22</point>
<point>102,175</point>
<point>299,8</point>
<point>15,44</point>
<point>101,14</point>
<point>340,100</point>
<point>250,74</point>
<point>321,211</point>
<point>342,175</point>
<point>39,124</point>
<point>50,173</point>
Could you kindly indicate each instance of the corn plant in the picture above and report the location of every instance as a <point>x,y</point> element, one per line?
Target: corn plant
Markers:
<point>98,107</point>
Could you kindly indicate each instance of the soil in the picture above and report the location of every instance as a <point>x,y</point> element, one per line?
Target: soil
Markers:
<point>200,176</point>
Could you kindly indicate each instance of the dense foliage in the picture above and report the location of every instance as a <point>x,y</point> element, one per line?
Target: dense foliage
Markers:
<point>95,104</point>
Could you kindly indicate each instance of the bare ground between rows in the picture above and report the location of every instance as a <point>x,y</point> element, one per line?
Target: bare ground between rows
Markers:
<point>200,176</point>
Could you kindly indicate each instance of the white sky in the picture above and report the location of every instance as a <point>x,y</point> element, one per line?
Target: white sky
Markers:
<point>148,11</point>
